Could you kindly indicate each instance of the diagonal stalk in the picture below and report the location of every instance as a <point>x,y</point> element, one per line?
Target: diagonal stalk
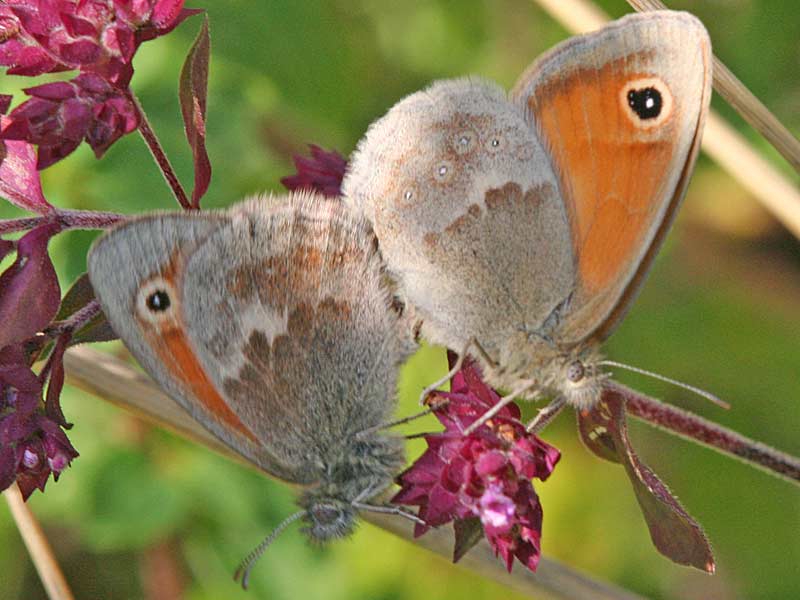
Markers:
<point>67,219</point>
<point>38,547</point>
<point>154,145</point>
<point>697,429</point>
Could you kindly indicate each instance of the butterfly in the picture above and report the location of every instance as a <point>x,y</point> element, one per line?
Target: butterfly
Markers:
<point>271,323</point>
<point>521,226</point>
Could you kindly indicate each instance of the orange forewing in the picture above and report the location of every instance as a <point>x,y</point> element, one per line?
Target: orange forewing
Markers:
<point>610,169</point>
<point>612,175</point>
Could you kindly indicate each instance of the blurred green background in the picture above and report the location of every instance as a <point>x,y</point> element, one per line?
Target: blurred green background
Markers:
<point>142,513</point>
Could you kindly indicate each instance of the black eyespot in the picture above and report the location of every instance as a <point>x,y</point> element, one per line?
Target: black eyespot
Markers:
<point>158,301</point>
<point>646,102</point>
<point>576,371</point>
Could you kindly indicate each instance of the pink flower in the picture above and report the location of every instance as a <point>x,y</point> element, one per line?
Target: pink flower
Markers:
<point>323,172</point>
<point>495,509</point>
<point>486,474</point>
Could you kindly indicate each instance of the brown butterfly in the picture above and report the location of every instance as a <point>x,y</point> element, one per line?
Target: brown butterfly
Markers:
<point>520,227</point>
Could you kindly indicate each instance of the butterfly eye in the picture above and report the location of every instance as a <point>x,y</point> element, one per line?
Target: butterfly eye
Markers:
<point>156,300</point>
<point>647,102</point>
<point>576,371</point>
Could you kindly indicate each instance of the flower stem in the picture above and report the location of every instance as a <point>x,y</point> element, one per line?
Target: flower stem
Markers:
<point>68,219</point>
<point>150,138</point>
<point>695,428</point>
<point>38,546</point>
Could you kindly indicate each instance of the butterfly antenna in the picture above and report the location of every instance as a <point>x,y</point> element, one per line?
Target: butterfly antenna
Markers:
<point>704,394</point>
<point>244,568</point>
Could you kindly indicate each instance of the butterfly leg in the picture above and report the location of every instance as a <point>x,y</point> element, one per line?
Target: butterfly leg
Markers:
<point>456,368</point>
<point>503,402</point>
<point>389,510</point>
<point>434,406</point>
<point>382,508</point>
<point>546,415</point>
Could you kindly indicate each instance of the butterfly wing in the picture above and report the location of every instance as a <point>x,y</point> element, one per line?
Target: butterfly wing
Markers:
<point>465,205</point>
<point>268,323</point>
<point>621,111</point>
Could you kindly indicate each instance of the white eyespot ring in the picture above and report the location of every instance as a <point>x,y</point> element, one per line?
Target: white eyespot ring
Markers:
<point>647,102</point>
<point>443,171</point>
<point>464,142</point>
<point>496,143</point>
<point>156,301</point>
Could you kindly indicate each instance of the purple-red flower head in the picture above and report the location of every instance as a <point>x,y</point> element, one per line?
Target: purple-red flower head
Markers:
<point>485,475</point>
<point>323,172</point>
<point>98,36</point>
<point>32,445</point>
<point>60,115</point>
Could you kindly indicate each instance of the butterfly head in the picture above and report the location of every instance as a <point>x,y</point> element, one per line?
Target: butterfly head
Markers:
<point>580,381</point>
<point>363,469</point>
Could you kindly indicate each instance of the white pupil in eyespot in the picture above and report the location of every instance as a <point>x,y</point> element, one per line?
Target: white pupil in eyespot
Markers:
<point>463,140</point>
<point>442,170</point>
<point>495,143</point>
<point>407,195</point>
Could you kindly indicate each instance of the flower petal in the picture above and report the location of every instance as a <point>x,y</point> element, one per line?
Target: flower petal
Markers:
<point>19,179</point>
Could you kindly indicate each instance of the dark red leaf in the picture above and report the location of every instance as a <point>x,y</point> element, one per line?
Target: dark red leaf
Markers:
<point>19,179</point>
<point>79,295</point>
<point>193,92</point>
<point>8,466</point>
<point>29,292</point>
<point>6,246</point>
<point>674,532</point>
<point>5,102</point>
<point>468,533</point>
<point>52,404</point>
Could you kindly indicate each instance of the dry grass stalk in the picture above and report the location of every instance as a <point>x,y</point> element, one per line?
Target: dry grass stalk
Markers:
<point>38,547</point>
